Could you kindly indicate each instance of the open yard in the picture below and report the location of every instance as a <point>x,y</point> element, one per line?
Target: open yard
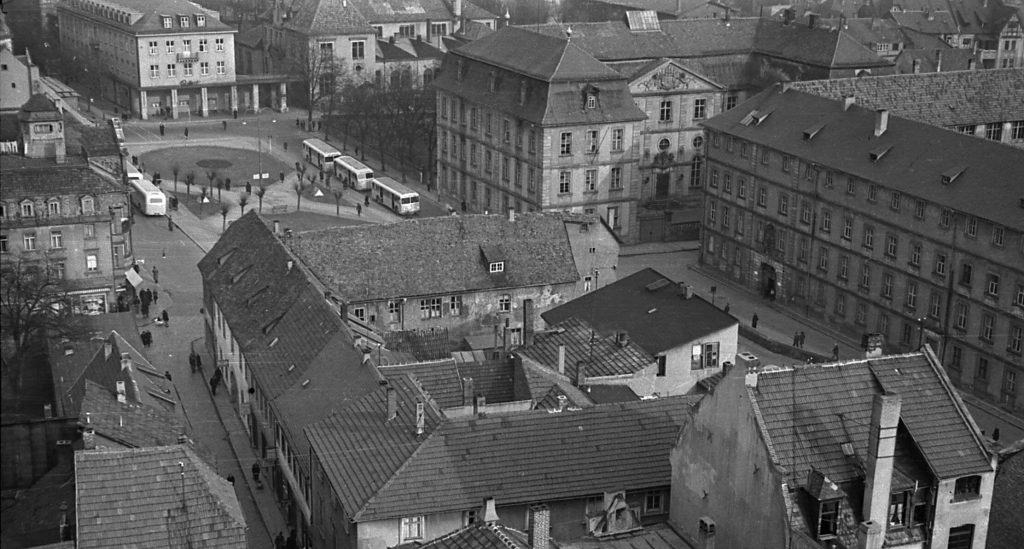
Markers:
<point>236,165</point>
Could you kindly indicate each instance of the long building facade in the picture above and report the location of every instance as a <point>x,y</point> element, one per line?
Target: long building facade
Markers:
<point>874,224</point>
<point>531,133</point>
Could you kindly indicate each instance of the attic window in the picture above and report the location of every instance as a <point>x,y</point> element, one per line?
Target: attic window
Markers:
<point>270,326</point>
<point>755,118</point>
<point>591,101</point>
<point>200,20</point>
<point>809,133</point>
<point>223,258</point>
<point>950,176</point>
<point>878,153</point>
<point>497,266</point>
<point>168,21</point>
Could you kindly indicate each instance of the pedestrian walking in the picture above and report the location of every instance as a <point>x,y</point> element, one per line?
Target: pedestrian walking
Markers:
<point>156,275</point>
<point>359,210</point>
<point>166,318</point>
<point>162,129</point>
<point>753,321</point>
<point>803,338</point>
<point>225,125</point>
<point>167,374</point>
<point>286,146</point>
<point>153,296</point>
<point>214,381</point>
<point>186,133</point>
<point>279,541</point>
<point>726,307</point>
<point>366,200</point>
<point>170,223</point>
<point>835,351</point>
<point>256,471</point>
<point>796,339</point>
<point>144,307</point>
<point>248,188</point>
<point>231,479</point>
<point>199,361</point>
<point>192,362</point>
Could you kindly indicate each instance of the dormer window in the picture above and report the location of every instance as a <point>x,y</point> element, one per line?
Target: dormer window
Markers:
<point>28,209</point>
<point>53,207</point>
<point>184,21</point>
<point>828,519</point>
<point>497,266</point>
<point>200,20</point>
<point>167,22</point>
<point>591,101</point>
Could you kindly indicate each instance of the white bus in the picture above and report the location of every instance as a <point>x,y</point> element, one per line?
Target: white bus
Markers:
<point>353,173</point>
<point>146,198</point>
<point>394,195</point>
<point>132,172</point>
<point>319,153</point>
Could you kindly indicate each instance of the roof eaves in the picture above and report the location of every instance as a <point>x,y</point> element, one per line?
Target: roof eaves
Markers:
<point>762,427</point>
<point>405,464</point>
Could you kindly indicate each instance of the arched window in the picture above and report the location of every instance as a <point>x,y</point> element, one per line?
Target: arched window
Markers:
<point>428,76</point>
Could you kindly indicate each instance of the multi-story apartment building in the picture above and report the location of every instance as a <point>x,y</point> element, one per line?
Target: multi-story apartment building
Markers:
<point>872,223</point>
<point>61,214</point>
<point>171,58</point>
<point>997,113</point>
<point>518,130</point>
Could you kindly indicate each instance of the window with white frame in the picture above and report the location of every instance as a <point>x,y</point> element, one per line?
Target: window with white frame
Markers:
<point>28,209</point>
<point>564,182</point>
<point>665,111</point>
<point>168,22</point>
<point>172,70</point>
<point>359,313</point>
<point>200,20</point>
<point>28,241</point>
<point>412,528</point>
<point>455,305</point>
<point>56,239</point>
<point>394,311</point>
<point>496,267</point>
<point>654,503</point>
<point>615,178</point>
<point>170,46</point>
<point>184,21</point>
<point>203,45</point>
<point>53,207</point>
<point>430,308</point>
<point>565,143</point>
<point>505,303</point>
<point>221,67</point>
<point>590,180</point>
<point>92,263</point>
<point>358,49</point>
<point>700,108</point>
<point>153,46</point>
<point>617,139</point>
<point>592,141</point>
<point>218,44</point>
<point>186,69</point>
<point>154,71</point>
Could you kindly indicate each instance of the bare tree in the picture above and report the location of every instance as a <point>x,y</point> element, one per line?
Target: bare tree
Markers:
<point>337,201</point>
<point>320,70</point>
<point>243,201</point>
<point>176,169</point>
<point>211,175</point>
<point>299,186</point>
<point>224,209</point>
<point>260,191</point>
<point>190,179</point>
<point>34,304</point>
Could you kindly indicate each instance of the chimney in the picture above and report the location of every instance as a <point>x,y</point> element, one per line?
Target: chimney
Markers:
<point>581,373</point>
<point>812,20</point>
<point>392,402</point>
<point>881,121</point>
<point>126,362</point>
<point>122,396</point>
<point>89,438</point>
<point>458,9</point>
<point>420,420</point>
<point>938,60</point>
<point>870,535</point>
<point>622,338</point>
<point>561,359</point>
<point>706,533</point>
<point>467,391</point>
<point>527,322</point>
<point>506,338</point>
<point>540,526</point>
<point>885,416</point>
<point>971,64</point>
<point>511,215</point>
<point>563,402</point>
<point>688,291</point>
<point>277,227</point>
<point>750,379</point>
<point>848,101</point>
<point>917,66</point>
<point>479,401</point>
<point>108,348</point>
<point>490,514</point>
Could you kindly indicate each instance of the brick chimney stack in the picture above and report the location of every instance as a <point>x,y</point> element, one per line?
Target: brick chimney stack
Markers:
<point>467,391</point>
<point>540,526</point>
<point>392,403</point>
<point>881,121</point>
<point>489,511</point>
<point>885,417</point>
<point>706,533</point>
<point>527,322</point>
<point>561,359</point>
<point>126,362</point>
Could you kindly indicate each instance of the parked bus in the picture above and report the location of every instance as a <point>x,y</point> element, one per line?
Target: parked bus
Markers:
<point>319,153</point>
<point>353,173</point>
<point>133,173</point>
<point>146,198</point>
<point>394,195</point>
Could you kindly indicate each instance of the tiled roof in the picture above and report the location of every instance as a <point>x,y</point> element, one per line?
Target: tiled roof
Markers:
<point>817,46</point>
<point>870,30</point>
<point>521,458</point>
<point>981,17</point>
<point>607,394</point>
<point>492,379</point>
<point>71,354</point>
<point>919,156</point>
<point>652,312</point>
<point>130,424</point>
<point>39,104</point>
<point>601,353</point>
<point>543,57</point>
<point>952,59</point>
<point>482,535</point>
<point>1005,529</point>
<point>421,344</point>
<point>937,98</point>
<point>150,20</point>
<point>361,450</point>
<point>472,10</point>
<point>940,22</point>
<point>293,339</point>
<point>808,412</point>
<point>97,140</point>
<point>142,382</point>
<point>439,255</point>
<point>53,180</point>
<point>327,18</point>
<point>440,380</point>
<point>403,11</point>
<point>662,535</point>
<point>154,497</point>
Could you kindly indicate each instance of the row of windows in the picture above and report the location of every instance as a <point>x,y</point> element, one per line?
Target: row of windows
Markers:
<point>28,208</point>
<point>590,180</point>
<point>478,120</point>
<point>170,46</point>
<point>667,110</point>
<point>187,69</point>
<point>357,48</point>
<point>983,374</point>
<point>994,130</point>
<point>56,268</point>
<point>591,141</point>
<point>184,21</point>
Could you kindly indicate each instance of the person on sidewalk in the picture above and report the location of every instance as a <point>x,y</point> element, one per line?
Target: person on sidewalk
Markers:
<point>803,338</point>
<point>166,318</point>
<point>186,133</point>
<point>256,472</point>
<point>192,362</point>
<point>153,294</point>
<point>279,541</point>
<point>156,275</point>
<point>796,339</point>
<point>359,210</point>
<point>726,308</point>
<point>214,382</point>
<point>753,321</point>
<point>835,351</point>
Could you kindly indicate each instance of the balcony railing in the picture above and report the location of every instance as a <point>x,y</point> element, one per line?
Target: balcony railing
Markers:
<point>188,57</point>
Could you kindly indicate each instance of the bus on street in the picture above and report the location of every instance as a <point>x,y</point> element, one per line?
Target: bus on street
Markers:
<point>392,194</point>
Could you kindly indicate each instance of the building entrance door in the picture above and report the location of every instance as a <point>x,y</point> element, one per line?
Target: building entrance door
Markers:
<point>768,281</point>
<point>661,183</point>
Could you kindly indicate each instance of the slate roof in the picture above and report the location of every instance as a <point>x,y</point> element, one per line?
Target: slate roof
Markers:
<point>543,385</point>
<point>662,535</point>
<point>1005,529</point>
<point>328,18</point>
<point>919,156</point>
<point>439,255</point>
<point>440,380</point>
<point>937,98</point>
<point>130,424</point>
<point>657,320</point>
<point>403,11</point>
<point>607,394</point>
<point>482,535</point>
<point>134,498</point>
<point>493,379</point>
<point>601,353</point>
<point>295,344</point>
<point>808,412</point>
<point>543,57</point>
<point>980,17</point>
<point>67,179</point>
<point>150,16</point>
<point>936,22</point>
<point>521,458</point>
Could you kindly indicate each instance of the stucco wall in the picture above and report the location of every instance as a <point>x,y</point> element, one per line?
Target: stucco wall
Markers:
<point>680,377</point>
<point>721,469</point>
<point>951,514</point>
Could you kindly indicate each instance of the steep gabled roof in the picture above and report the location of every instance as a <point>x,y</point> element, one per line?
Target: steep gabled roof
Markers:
<point>438,379</point>
<point>154,497</point>
<point>77,179</point>
<point>954,98</point>
<point>936,22</point>
<point>602,355</point>
<point>915,165</point>
<point>129,424</point>
<point>438,255</point>
<point>647,306</point>
<point>481,535</point>
<point>543,57</point>
<point>403,11</point>
<point>146,16</point>
<point>809,412</point>
<point>328,18</point>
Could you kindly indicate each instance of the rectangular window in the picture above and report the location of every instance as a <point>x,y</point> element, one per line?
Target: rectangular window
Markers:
<point>713,181</point>
<point>172,70</point>
<point>966,274</point>
<point>359,313</point>
<point>919,209</point>
<point>613,217</point>
<point>741,188</point>
<point>762,196</point>
<point>203,45</point>
<point>826,221</point>
<point>940,264</point>
<point>564,182</point>
<point>169,44</point>
<point>873,193</point>
<point>935,304</point>
<point>865,276</point>
<point>967,488</point>
<point>56,239</point>
<point>505,303</point>
<point>187,69</point>
<point>412,528</point>
<point>869,237</point>
<point>153,45</point>
<point>898,509</point>
<point>915,254</point>
<point>988,323</point>
<point>221,67</point>
<point>430,308</point>
<point>994,131</point>
<point>1016,335</point>
<point>841,305</point>
<point>89,230</point>
<point>911,295</point>
<point>218,44</point>
<point>971,228</point>
<point>766,156</point>
<point>92,263</point>
<point>184,21</point>
<point>805,212</point>
<point>654,503</point>
<point>894,201</point>
<point>1018,297</point>
<point>154,71</point>
<point>590,180</point>
<point>887,286</point>
<point>727,182</point>
<point>730,102</point>
<point>960,321</point>
<point>992,285</point>
<point>617,139</point>
<point>615,178</point>
<point>200,20</point>
<point>204,68</point>
<point>847,228</point>
<point>700,108</point>
<point>998,236</point>
<point>28,241</point>
<point>823,254</point>
<point>745,149</point>
<point>783,204</point>
<point>565,144</point>
<point>1017,130</point>
<point>592,141</point>
<point>665,111</point>
<point>358,49</point>
<point>506,131</point>
<point>945,217</point>
<point>828,519</point>
<point>394,311</point>
<point>891,245</point>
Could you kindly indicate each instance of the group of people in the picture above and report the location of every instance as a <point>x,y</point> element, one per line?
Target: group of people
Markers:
<point>195,361</point>
<point>798,339</point>
<point>292,543</point>
<point>147,297</point>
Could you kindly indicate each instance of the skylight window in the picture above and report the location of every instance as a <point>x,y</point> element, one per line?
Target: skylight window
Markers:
<point>497,266</point>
